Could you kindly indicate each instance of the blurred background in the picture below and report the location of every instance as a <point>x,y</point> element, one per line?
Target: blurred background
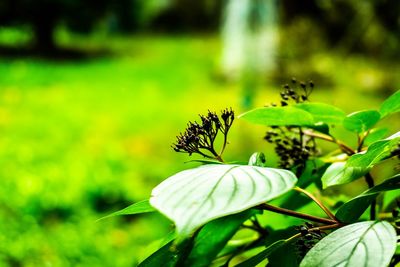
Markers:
<point>93,93</point>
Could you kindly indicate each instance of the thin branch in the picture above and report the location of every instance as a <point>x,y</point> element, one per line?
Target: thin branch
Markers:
<point>317,201</point>
<point>297,214</point>
<point>345,148</point>
<point>314,229</point>
<point>361,140</point>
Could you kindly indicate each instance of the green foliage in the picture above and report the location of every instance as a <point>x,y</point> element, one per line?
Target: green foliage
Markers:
<point>359,164</point>
<point>278,116</point>
<point>350,211</point>
<point>323,113</point>
<point>391,105</point>
<point>80,140</point>
<point>210,203</point>
<point>341,173</point>
<point>253,261</point>
<point>212,238</point>
<point>368,243</point>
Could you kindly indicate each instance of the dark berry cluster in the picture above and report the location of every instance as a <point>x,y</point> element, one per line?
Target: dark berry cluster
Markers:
<point>291,145</point>
<point>200,137</point>
<point>308,238</point>
<point>297,92</point>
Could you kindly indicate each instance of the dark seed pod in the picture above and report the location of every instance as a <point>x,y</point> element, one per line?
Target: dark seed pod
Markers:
<point>303,230</point>
<point>309,225</point>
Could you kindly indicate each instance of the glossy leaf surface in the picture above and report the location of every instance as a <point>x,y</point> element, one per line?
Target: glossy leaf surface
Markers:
<point>278,116</point>
<point>194,197</point>
<point>340,173</point>
<point>361,121</point>
<point>369,244</point>
<point>391,104</point>
<point>323,113</point>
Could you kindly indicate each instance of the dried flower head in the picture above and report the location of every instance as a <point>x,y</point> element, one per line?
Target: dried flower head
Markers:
<point>200,137</point>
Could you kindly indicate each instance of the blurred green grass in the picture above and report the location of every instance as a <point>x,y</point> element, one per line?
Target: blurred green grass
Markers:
<point>80,139</point>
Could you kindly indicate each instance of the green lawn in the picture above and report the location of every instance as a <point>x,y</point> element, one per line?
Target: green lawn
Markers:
<point>79,140</point>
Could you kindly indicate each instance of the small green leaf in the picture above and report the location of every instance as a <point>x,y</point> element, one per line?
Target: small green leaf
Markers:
<point>322,112</point>
<point>194,197</point>
<point>391,104</point>
<point>376,152</point>
<point>370,243</point>
<point>340,173</point>
<point>375,134</point>
<point>350,211</point>
<point>278,116</point>
<point>361,121</point>
<point>253,261</point>
<point>257,159</point>
<point>137,208</point>
<point>213,236</point>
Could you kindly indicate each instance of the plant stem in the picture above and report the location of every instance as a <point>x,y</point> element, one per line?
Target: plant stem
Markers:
<point>219,158</point>
<point>361,140</point>
<point>324,227</point>
<point>370,182</point>
<point>345,148</point>
<point>297,214</point>
<point>317,201</point>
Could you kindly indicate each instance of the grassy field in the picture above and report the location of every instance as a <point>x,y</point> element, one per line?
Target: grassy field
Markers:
<point>81,139</point>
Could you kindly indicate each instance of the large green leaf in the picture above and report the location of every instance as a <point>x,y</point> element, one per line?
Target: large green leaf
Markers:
<point>340,173</point>
<point>391,104</point>
<point>361,121</point>
<point>350,211</point>
<point>194,197</point>
<point>322,112</point>
<point>213,236</point>
<point>279,116</point>
<point>369,244</point>
<point>136,208</point>
<point>253,261</point>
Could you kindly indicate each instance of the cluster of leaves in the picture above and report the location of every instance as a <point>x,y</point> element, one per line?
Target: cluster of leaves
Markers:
<point>211,203</point>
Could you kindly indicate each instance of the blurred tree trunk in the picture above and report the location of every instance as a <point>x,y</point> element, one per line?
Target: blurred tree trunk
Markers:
<point>43,28</point>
